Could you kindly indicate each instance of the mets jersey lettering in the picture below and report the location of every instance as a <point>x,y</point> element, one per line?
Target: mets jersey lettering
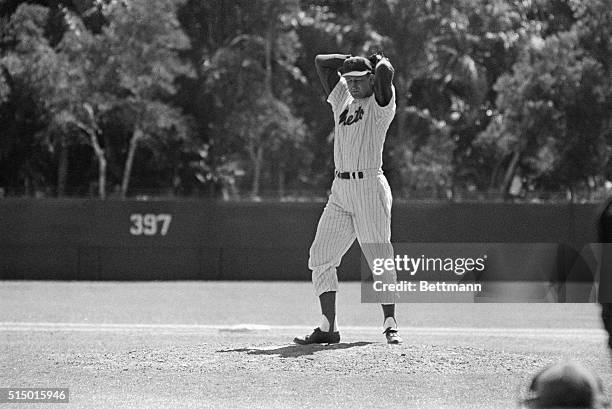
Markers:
<point>361,128</point>
<point>352,118</point>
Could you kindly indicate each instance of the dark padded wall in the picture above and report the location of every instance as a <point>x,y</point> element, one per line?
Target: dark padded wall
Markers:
<point>78,239</point>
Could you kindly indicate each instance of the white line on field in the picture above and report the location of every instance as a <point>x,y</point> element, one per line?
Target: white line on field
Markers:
<point>202,328</point>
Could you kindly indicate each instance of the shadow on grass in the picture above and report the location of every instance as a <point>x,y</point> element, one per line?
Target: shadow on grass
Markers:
<point>294,351</point>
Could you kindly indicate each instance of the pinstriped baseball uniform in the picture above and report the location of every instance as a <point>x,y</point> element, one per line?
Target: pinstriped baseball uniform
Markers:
<point>356,208</point>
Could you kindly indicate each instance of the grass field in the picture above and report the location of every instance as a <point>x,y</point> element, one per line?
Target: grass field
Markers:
<point>228,344</point>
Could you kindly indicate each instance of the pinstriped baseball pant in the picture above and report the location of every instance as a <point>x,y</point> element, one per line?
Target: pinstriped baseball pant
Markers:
<point>356,208</point>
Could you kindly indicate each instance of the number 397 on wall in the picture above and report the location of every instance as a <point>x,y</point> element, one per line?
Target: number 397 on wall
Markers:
<point>150,224</point>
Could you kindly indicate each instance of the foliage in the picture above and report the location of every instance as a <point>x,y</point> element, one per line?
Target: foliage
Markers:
<point>551,114</point>
<point>250,72</point>
<point>216,97</point>
<point>30,70</point>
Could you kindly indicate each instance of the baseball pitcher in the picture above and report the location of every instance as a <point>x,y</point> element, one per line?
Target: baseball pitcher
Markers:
<point>362,99</point>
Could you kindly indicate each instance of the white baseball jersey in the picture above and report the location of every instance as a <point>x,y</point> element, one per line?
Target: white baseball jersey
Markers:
<point>357,208</point>
<point>360,129</point>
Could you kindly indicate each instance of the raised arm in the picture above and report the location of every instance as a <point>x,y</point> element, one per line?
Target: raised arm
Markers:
<point>383,80</point>
<point>327,68</point>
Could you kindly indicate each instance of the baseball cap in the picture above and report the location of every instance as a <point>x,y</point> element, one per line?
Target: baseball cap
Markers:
<point>565,385</point>
<point>356,67</point>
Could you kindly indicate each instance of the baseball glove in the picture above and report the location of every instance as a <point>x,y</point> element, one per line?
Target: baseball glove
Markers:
<point>375,58</point>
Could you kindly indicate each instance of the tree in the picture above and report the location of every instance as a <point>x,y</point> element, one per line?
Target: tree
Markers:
<point>426,166</point>
<point>248,72</point>
<point>486,90</point>
<point>30,71</point>
<point>594,30</point>
<point>141,44</point>
<point>129,67</point>
<point>550,113</point>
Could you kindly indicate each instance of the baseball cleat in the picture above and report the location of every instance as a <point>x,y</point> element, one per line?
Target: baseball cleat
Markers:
<point>392,336</point>
<point>319,337</point>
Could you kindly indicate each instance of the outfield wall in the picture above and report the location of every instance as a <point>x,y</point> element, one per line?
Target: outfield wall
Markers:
<point>79,239</point>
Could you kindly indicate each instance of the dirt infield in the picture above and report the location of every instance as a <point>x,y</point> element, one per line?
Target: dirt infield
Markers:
<point>194,345</point>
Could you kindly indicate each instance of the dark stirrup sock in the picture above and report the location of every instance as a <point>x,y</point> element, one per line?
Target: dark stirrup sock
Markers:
<point>328,308</point>
<point>388,310</point>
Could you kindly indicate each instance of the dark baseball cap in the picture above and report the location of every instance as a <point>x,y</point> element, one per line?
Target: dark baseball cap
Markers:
<point>356,67</point>
<point>565,385</point>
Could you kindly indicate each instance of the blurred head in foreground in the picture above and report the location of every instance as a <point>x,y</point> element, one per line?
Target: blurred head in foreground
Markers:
<point>565,385</point>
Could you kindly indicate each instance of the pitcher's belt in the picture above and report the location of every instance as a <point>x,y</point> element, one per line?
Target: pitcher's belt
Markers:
<point>358,174</point>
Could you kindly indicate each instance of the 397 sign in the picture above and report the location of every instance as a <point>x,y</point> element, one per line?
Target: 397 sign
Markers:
<point>150,224</point>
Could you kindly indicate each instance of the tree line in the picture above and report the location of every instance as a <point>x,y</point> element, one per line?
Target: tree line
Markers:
<point>221,99</point>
